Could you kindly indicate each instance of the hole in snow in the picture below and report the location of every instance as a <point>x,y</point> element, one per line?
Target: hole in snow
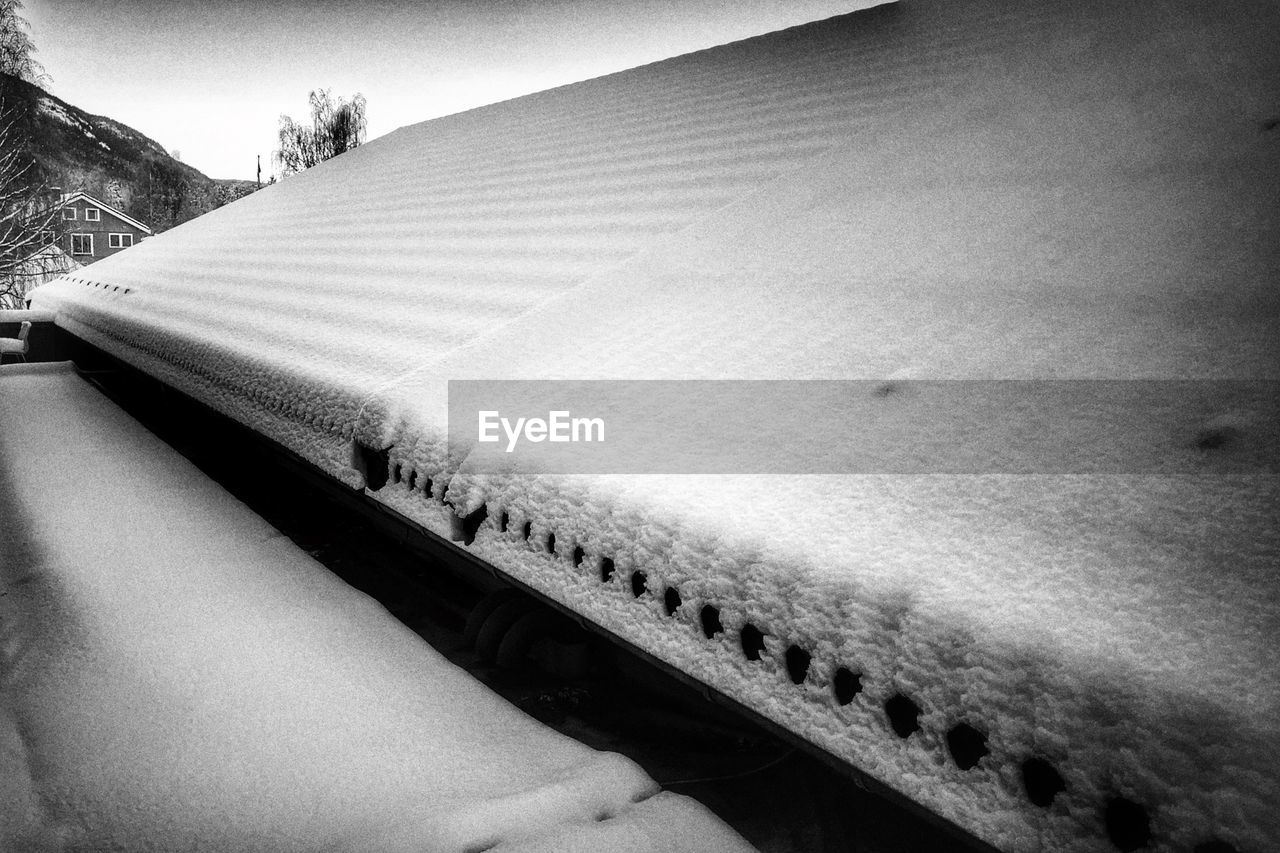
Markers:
<point>503,521</point>
<point>967,745</point>
<point>846,685</point>
<point>413,480</point>
<point>527,531</point>
<point>1042,781</point>
<point>752,641</point>
<point>376,465</point>
<point>428,488</point>
<point>578,555</point>
<point>711,621</point>
<point>472,523</point>
<point>639,583</point>
<point>551,543</point>
<point>1127,823</point>
<point>672,600</point>
<point>395,473</point>
<point>904,715</point>
<point>797,664</point>
<point>606,570</point>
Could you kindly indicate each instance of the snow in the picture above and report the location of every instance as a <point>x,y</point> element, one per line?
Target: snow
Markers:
<point>126,133</point>
<point>179,676</point>
<point>928,190</point>
<point>59,112</point>
<point>18,315</point>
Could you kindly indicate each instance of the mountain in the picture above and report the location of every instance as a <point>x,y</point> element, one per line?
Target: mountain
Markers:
<point>75,150</point>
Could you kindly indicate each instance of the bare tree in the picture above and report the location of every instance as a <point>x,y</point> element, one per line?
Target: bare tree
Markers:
<point>336,126</point>
<point>16,47</point>
<point>29,216</point>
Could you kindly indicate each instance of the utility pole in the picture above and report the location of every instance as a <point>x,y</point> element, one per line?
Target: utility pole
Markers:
<point>259,171</point>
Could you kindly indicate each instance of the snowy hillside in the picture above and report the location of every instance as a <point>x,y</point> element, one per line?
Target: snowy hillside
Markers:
<point>76,150</point>
<point>973,189</point>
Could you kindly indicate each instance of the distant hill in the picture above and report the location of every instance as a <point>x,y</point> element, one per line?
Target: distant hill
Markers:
<point>75,150</point>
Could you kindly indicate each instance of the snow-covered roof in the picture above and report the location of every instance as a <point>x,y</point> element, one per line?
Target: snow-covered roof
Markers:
<point>966,189</point>
<point>44,263</point>
<point>53,254</point>
<point>80,195</point>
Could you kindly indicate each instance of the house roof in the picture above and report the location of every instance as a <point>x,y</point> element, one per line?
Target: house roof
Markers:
<point>969,189</point>
<point>52,251</point>
<point>80,195</point>
<point>45,263</point>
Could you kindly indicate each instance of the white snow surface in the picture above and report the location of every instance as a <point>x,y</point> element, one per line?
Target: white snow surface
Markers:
<point>972,189</point>
<point>59,112</point>
<point>18,315</point>
<point>176,675</point>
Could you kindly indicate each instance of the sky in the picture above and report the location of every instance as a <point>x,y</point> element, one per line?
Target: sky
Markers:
<point>209,80</point>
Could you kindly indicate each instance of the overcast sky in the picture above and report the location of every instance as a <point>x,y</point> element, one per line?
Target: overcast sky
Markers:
<point>210,79</point>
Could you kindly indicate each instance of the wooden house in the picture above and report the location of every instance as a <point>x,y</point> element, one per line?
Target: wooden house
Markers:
<point>92,229</point>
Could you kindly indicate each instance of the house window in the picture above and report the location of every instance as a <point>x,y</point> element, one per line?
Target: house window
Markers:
<point>82,244</point>
<point>119,241</point>
<point>46,237</point>
<point>68,213</point>
<point>92,214</point>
